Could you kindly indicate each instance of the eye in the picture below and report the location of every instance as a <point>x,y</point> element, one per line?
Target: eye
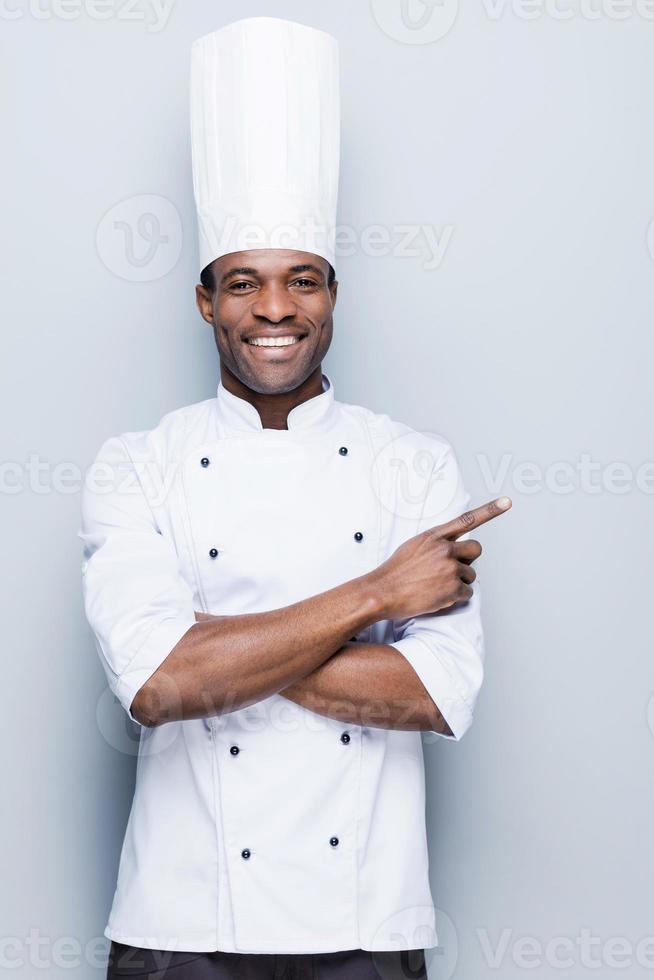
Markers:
<point>304,283</point>
<point>240,286</point>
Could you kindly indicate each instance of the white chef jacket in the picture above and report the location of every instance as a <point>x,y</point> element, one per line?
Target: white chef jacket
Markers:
<point>271,828</point>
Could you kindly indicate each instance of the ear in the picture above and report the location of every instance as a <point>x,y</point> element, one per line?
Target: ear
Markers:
<point>333,289</point>
<point>204,303</point>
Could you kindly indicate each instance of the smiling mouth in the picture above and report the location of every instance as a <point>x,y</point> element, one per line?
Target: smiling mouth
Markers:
<point>283,341</point>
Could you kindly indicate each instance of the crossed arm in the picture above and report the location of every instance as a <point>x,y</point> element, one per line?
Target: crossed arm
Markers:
<point>303,652</point>
<point>166,662</point>
<point>366,684</point>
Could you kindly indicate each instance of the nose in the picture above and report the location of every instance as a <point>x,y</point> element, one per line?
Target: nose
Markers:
<point>273,303</point>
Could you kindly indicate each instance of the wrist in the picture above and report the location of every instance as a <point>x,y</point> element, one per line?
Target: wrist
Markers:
<point>370,599</point>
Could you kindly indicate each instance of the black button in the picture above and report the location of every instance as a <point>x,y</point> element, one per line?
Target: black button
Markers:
<point>345,738</point>
<point>213,553</point>
<point>204,461</point>
<point>234,749</point>
<point>333,841</point>
<point>358,536</point>
<point>343,450</point>
<point>245,853</point>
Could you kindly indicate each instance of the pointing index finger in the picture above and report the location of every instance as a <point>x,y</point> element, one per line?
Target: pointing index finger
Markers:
<point>474,518</point>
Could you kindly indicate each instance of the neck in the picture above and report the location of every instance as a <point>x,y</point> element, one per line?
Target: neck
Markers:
<point>273,408</point>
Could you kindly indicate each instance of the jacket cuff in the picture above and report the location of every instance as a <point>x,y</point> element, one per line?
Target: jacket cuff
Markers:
<point>439,683</point>
<point>160,642</point>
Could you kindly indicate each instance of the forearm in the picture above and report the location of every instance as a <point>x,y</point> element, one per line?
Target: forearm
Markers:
<point>369,684</point>
<point>228,662</point>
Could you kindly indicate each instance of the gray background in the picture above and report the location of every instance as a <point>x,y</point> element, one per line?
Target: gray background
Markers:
<point>531,342</point>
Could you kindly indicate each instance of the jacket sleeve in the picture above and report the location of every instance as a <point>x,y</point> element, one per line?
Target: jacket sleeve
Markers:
<point>446,648</point>
<point>136,601</point>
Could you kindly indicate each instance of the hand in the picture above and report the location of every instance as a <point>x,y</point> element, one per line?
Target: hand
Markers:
<point>432,570</point>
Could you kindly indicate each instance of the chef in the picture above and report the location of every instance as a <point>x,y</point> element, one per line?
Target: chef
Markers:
<point>279,583</point>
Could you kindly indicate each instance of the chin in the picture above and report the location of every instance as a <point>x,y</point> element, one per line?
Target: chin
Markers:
<point>273,379</point>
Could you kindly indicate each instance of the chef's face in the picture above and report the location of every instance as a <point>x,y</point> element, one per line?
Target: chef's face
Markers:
<point>264,296</point>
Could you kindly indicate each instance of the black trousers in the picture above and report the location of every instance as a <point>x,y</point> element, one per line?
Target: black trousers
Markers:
<point>352,964</point>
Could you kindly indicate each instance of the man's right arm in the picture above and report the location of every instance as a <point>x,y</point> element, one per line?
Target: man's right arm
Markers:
<point>161,664</point>
<point>229,662</point>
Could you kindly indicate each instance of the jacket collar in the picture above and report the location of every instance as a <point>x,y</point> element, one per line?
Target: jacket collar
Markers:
<point>313,415</point>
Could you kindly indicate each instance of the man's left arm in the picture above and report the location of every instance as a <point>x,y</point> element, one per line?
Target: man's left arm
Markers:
<point>369,684</point>
<point>429,675</point>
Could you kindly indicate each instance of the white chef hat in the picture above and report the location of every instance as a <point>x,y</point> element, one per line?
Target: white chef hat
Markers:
<point>265,138</point>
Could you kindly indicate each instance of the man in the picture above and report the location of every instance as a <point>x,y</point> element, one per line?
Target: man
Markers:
<point>276,607</point>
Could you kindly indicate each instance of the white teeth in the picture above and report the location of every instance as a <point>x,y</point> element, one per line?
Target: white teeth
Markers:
<point>273,341</point>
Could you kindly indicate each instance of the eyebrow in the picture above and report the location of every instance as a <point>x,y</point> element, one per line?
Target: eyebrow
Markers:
<point>239,271</point>
<point>307,267</point>
<point>244,270</point>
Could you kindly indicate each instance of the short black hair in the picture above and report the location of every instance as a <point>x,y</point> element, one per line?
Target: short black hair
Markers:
<point>208,279</point>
